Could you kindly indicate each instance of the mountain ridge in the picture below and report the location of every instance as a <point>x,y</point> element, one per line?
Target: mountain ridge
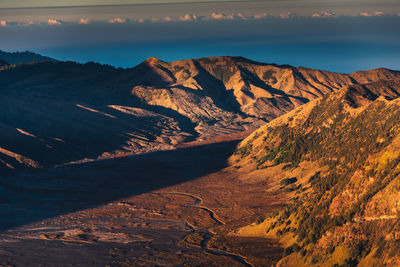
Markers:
<point>251,91</point>
<point>23,57</point>
<point>183,101</point>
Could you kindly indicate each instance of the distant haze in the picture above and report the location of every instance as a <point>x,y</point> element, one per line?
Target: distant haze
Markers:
<point>338,35</point>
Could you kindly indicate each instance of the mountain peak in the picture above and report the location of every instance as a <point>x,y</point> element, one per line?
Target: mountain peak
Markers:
<point>233,59</point>
<point>153,61</point>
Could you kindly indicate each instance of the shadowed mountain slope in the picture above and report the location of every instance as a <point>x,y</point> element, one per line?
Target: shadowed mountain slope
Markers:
<point>3,63</point>
<point>360,94</point>
<point>338,159</point>
<point>63,112</point>
<point>54,113</point>
<point>23,57</point>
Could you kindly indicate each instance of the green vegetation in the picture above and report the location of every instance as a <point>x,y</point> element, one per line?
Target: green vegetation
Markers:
<point>343,144</point>
<point>244,150</point>
<point>288,181</point>
<point>291,249</point>
<point>269,157</point>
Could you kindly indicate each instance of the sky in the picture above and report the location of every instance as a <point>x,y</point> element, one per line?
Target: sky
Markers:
<point>58,3</point>
<point>342,36</point>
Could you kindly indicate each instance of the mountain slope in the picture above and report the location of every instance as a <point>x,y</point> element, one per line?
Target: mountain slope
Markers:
<point>337,159</point>
<point>237,84</point>
<point>23,57</point>
<point>3,63</point>
<point>99,111</point>
<point>62,112</point>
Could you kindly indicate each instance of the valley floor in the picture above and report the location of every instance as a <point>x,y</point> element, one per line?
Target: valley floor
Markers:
<point>176,207</point>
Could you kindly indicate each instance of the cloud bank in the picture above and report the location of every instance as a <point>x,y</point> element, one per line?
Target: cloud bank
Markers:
<point>52,22</point>
<point>214,16</point>
<point>117,21</point>
<point>188,17</point>
<point>324,14</point>
<point>84,21</point>
<point>287,15</point>
<point>372,14</point>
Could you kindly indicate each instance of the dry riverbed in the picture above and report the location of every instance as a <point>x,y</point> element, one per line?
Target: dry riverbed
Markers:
<point>187,219</point>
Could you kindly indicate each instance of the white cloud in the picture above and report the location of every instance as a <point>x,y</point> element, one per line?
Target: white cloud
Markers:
<point>260,16</point>
<point>379,13</point>
<point>188,17</point>
<point>6,23</point>
<point>219,16</point>
<point>213,16</point>
<point>222,16</point>
<point>324,14</point>
<point>54,22</point>
<point>84,21</point>
<point>29,23</point>
<point>287,15</point>
<point>168,19</point>
<point>240,16</point>
<point>373,14</point>
<point>117,20</point>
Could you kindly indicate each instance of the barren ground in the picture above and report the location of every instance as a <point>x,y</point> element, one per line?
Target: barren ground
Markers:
<point>166,208</point>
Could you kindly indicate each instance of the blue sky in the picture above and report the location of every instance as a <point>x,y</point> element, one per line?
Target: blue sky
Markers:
<point>338,35</point>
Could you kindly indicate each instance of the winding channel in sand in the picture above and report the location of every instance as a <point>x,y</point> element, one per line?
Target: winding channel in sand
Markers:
<point>207,233</point>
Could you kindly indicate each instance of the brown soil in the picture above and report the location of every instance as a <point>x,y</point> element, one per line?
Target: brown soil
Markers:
<point>187,202</point>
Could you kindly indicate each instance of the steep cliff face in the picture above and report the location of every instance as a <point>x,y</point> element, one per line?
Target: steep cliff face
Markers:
<point>337,158</point>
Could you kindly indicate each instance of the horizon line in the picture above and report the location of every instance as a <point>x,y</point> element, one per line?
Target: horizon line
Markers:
<point>196,58</point>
